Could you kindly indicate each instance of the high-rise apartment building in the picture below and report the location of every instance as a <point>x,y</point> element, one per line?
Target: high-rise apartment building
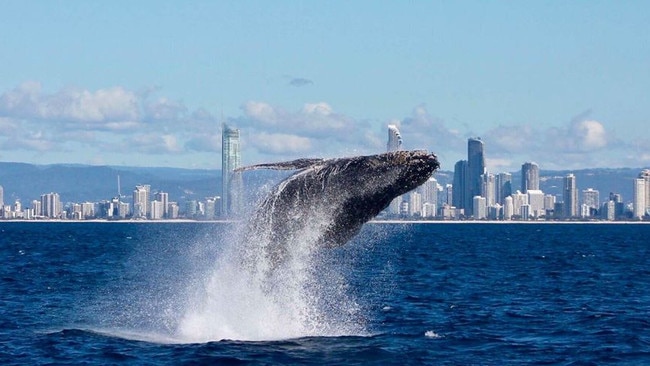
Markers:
<point>394,139</point>
<point>518,201</point>
<point>141,201</point>
<point>639,203</point>
<point>529,177</point>
<point>508,208</point>
<point>429,191</point>
<point>570,196</point>
<point>591,199</point>
<point>488,188</point>
<point>503,187</point>
<point>549,203</point>
<point>475,168</point>
<point>536,202</point>
<point>51,205</point>
<point>460,189</point>
<point>480,207</point>
<point>2,197</point>
<point>415,204</point>
<point>156,210</point>
<point>645,175</point>
<point>448,195</point>
<point>394,144</point>
<point>163,197</point>
<point>232,187</point>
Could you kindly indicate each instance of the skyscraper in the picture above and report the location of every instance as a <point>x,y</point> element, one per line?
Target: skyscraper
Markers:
<point>141,201</point>
<point>591,199</point>
<point>503,187</point>
<point>51,205</point>
<point>570,196</point>
<point>460,191</point>
<point>394,144</point>
<point>394,139</point>
<point>645,175</point>
<point>163,197</point>
<point>529,177</point>
<point>429,191</point>
<point>488,188</point>
<point>475,168</point>
<point>231,182</point>
<point>639,198</point>
<point>480,208</point>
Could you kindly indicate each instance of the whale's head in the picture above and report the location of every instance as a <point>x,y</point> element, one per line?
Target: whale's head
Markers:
<point>383,177</point>
<point>409,169</point>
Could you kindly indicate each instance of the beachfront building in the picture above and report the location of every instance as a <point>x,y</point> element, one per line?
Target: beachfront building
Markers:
<point>639,199</point>
<point>394,144</point>
<point>529,177</point>
<point>475,169</point>
<point>590,202</point>
<point>480,207</point>
<point>163,198</point>
<point>141,201</point>
<point>51,205</point>
<point>570,196</point>
<point>503,187</point>
<point>232,186</point>
<point>536,203</point>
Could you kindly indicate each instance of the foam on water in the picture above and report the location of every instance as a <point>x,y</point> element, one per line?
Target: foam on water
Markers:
<point>248,296</point>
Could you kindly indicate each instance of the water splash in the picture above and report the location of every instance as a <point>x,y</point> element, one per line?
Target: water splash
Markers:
<point>248,296</point>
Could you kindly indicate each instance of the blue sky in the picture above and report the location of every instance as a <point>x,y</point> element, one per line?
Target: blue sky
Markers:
<point>148,83</point>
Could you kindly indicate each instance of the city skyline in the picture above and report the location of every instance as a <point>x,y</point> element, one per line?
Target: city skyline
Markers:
<point>148,84</point>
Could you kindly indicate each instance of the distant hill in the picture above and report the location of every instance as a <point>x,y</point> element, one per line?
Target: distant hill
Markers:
<point>80,183</point>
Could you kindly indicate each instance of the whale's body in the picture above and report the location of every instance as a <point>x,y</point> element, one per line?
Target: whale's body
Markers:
<point>327,201</point>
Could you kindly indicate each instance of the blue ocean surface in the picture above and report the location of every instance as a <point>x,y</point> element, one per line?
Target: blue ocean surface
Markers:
<point>438,294</point>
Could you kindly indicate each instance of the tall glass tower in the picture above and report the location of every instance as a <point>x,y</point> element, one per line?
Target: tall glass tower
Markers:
<point>231,182</point>
<point>394,144</point>
<point>570,195</point>
<point>645,175</point>
<point>394,139</point>
<point>459,192</point>
<point>529,177</point>
<point>503,187</point>
<point>475,168</point>
<point>639,202</point>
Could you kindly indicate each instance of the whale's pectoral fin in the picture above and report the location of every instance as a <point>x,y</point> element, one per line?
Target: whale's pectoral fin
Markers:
<point>286,165</point>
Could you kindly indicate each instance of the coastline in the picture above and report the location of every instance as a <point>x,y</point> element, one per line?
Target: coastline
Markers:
<point>501,222</point>
<point>373,222</point>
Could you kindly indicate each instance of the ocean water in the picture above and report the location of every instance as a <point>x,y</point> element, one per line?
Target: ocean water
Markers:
<point>439,294</point>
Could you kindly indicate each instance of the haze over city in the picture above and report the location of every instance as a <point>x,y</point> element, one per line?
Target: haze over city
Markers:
<point>149,83</point>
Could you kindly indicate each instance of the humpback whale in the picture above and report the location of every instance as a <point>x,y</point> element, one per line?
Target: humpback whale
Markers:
<point>327,201</point>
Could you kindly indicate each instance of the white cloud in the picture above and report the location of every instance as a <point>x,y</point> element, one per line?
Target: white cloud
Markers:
<point>314,130</point>
<point>28,101</point>
<point>591,135</point>
<point>164,109</point>
<point>261,112</point>
<point>134,122</point>
<point>154,143</point>
<point>422,130</point>
<point>279,143</point>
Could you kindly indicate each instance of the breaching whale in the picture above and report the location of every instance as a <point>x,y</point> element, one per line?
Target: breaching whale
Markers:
<point>327,201</point>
